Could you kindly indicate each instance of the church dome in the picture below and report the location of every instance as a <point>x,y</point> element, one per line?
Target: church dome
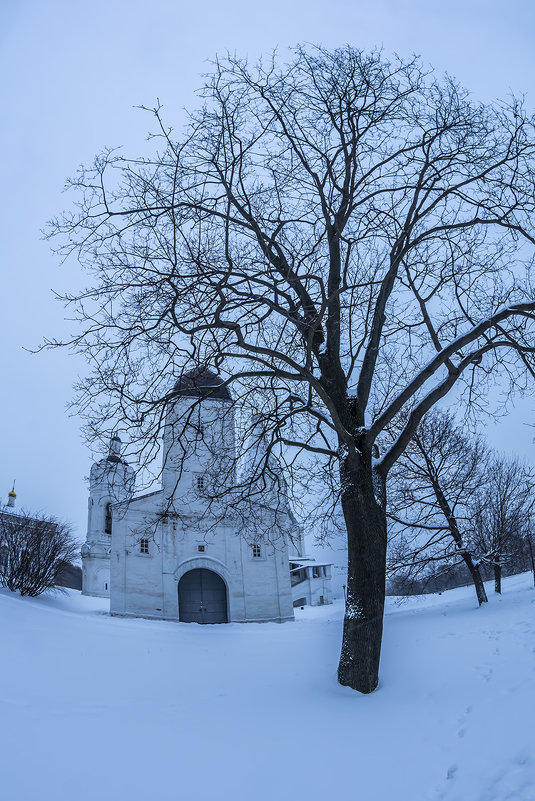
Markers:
<point>201,383</point>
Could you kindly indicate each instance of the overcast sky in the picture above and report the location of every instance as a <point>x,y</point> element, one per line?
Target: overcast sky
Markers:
<point>72,73</point>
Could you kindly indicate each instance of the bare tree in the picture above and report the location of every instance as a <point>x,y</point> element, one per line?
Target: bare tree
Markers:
<point>434,492</point>
<point>343,237</point>
<point>451,498</point>
<point>504,515</point>
<point>33,551</point>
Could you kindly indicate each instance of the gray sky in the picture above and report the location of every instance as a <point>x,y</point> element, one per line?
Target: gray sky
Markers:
<point>72,73</point>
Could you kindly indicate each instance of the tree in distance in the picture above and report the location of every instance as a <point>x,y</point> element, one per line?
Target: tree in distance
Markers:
<point>345,239</point>
<point>503,519</point>
<point>452,500</point>
<point>434,496</point>
<point>33,551</point>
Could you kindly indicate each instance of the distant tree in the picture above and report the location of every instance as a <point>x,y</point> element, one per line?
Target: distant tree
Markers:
<point>344,238</point>
<point>531,552</point>
<point>33,550</point>
<point>434,491</point>
<point>450,499</point>
<point>503,519</point>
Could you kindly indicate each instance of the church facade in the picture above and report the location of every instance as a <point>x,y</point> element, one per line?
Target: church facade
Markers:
<point>175,553</point>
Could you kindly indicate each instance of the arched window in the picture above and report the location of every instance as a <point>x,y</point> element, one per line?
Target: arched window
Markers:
<point>107,519</point>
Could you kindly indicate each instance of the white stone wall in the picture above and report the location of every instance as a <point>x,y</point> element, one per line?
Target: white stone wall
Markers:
<point>96,573</point>
<point>267,583</point>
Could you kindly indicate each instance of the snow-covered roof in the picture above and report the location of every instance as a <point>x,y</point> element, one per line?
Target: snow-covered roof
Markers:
<point>304,562</point>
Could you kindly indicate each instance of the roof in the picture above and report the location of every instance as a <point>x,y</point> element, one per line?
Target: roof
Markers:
<point>201,383</point>
<point>304,562</point>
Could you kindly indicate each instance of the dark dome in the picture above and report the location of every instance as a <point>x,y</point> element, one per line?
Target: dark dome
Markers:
<point>201,383</point>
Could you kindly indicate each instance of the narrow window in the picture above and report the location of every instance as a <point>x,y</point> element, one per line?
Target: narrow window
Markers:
<point>200,548</point>
<point>144,546</point>
<point>257,551</point>
<point>107,519</point>
<point>200,482</point>
<point>315,572</point>
<point>106,586</point>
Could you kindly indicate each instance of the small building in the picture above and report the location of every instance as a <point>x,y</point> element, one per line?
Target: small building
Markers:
<point>311,582</point>
<point>171,553</point>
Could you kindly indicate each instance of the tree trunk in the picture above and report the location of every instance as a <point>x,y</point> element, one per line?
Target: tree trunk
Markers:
<point>530,546</point>
<point>497,578</point>
<point>456,535</point>
<point>363,621</point>
<point>475,572</point>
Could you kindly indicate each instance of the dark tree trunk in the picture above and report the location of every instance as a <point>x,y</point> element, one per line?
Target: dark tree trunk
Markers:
<point>363,622</point>
<point>475,572</point>
<point>457,537</point>
<point>497,578</point>
<point>530,547</point>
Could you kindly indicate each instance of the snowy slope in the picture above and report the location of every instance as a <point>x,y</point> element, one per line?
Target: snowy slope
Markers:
<point>99,708</point>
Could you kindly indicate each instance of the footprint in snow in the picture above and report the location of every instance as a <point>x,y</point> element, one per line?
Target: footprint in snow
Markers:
<point>462,722</point>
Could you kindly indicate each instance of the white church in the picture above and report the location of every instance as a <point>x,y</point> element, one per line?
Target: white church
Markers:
<point>171,553</point>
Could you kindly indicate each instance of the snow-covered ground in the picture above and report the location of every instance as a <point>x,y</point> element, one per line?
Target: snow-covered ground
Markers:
<point>95,708</point>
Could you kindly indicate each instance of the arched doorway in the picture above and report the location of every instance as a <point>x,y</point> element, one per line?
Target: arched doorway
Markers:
<point>202,597</point>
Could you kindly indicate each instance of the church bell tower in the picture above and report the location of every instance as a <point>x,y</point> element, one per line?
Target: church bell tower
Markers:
<point>111,480</point>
